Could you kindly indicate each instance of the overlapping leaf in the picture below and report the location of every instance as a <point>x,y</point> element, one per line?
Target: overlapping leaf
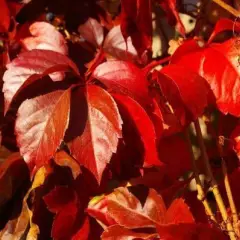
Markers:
<point>4,16</point>
<point>94,148</point>
<point>117,232</point>
<point>136,22</point>
<point>123,77</point>
<point>45,36</point>
<point>219,65</point>
<point>34,64</point>
<point>116,46</point>
<point>92,31</point>
<point>63,202</point>
<point>144,127</point>
<point>47,121</point>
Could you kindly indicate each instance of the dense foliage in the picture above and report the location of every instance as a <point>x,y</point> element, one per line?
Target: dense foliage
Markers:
<point>109,141</point>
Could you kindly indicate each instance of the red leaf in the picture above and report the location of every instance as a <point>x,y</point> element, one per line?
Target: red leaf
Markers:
<point>83,232</point>
<point>143,125</point>
<point>186,91</point>
<point>63,159</point>
<point>179,212</point>
<point>123,77</point>
<point>224,24</point>
<point>117,232</point>
<point>94,148</point>
<point>223,77</point>
<point>62,201</point>
<point>45,36</point>
<point>38,63</point>
<point>98,209</point>
<point>58,198</point>
<point>174,153</point>
<point>186,231</point>
<point>117,47</point>
<point>169,6</point>
<point>46,122</point>
<point>136,22</point>
<point>4,16</point>
<point>92,31</point>
<point>127,210</point>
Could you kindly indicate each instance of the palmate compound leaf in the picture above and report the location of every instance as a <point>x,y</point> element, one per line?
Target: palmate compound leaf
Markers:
<point>94,148</point>
<point>130,214</point>
<point>145,128</point>
<point>123,77</point>
<point>38,63</point>
<point>40,126</point>
<point>219,64</point>
<point>45,36</point>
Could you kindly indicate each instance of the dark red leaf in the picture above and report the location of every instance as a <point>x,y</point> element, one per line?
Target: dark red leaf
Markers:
<point>117,232</point>
<point>123,77</point>
<point>174,153</point>
<point>94,148</point>
<point>38,63</point>
<point>62,201</point>
<point>186,231</point>
<point>46,122</point>
<point>136,22</point>
<point>92,31</point>
<point>83,232</point>
<point>143,125</point>
<point>169,6</point>
<point>45,36</point>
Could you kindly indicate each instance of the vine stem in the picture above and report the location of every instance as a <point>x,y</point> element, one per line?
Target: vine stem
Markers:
<point>227,7</point>
<point>201,194</point>
<point>220,144</point>
<point>153,64</point>
<point>214,185</point>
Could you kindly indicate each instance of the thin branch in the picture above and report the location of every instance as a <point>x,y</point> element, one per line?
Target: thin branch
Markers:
<point>214,185</point>
<point>201,194</point>
<point>220,144</point>
<point>227,7</point>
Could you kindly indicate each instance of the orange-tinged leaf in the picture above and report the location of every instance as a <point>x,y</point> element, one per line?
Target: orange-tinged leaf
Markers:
<point>179,212</point>
<point>16,227</point>
<point>117,232</point>
<point>38,181</point>
<point>94,148</point>
<point>40,134</point>
<point>65,160</point>
<point>127,210</point>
